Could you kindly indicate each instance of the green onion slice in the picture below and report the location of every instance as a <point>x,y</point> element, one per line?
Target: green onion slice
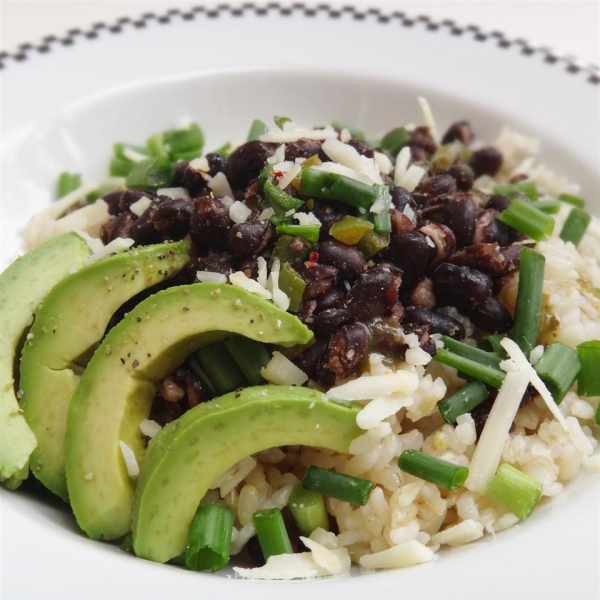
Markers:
<point>152,173</point>
<point>514,490</point>
<point>250,356</point>
<point>67,183</point>
<point>224,373</point>
<point>527,219</point>
<point>490,375</point>
<point>327,482</point>
<point>433,469</point>
<point>527,188</point>
<point>471,352</point>
<point>308,509</point>
<point>588,379</point>
<point>463,401</point>
<point>272,534</point>
<point>575,226</point>
<point>395,140</point>
<point>331,186</point>
<point>558,368</point>
<point>256,130</point>
<point>209,539</point>
<point>309,232</point>
<point>574,200</point>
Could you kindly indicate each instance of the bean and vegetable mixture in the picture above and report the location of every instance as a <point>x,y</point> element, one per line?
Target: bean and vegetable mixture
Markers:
<point>445,292</point>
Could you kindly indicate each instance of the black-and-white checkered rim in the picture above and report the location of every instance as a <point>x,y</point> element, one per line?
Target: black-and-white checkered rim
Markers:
<point>549,56</point>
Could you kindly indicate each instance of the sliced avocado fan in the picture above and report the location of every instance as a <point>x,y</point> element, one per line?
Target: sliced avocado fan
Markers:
<point>71,321</point>
<point>23,286</point>
<point>119,384</point>
<point>189,454</point>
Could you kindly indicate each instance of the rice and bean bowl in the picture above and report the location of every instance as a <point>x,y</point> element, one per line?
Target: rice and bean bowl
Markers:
<point>408,258</point>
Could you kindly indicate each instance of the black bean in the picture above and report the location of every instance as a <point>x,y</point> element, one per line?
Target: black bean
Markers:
<point>443,238</point>
<point>348,260</point>
<point>499,202</point>
<point>129,197</point>
<point>328,215</point>
<point>488,229</point>
<point>249,267</point>
<point>249,238</point>
<point>421,143</point>
<point>374,294</point>
<point>113,199</point>
<point>401,222</point>
<point>491,316</point>
<point>422,294</point>
<point>143,230</point>
<point>457,212</point>
<point>463,175</point>
<point>303,149</point>
<point>461,286</point>
<point>215,262</point>
<point>245,163</point>
<point>210,224</point>
<point>306,311</point>
<point>333,298</point>
<point>411,253</point>
<point>426,342</point>
<point>119,227</point>
<point>330,320</point>
<point>195,182</point>
<point>461,131</point>
<point>179,169</point>
<point>344,354</point>
<point>319,279</point>
<point>490,259</point>
<point>216,163</point>
<point>486,161</point>
<point>309,359</point>
<point>388,337</point>
<point>401,198</point>
<point>172,218</point>
<point>361,147</point>
<point>436,322</point>
<point>438,185</point>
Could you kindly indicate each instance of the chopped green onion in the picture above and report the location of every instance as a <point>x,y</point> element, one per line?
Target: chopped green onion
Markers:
<point>280,121</point>
<point>292,284</point>
<point>433,469</point>
<point>395,140</point>
<point>355,133</point>
<point>221,368</point>
<point>272,534</point>
<point>185,155</point>
<point>463,401</point>
<point>588,379</point>
<point>527,219</point>
<point>489,375</point>
<point>209,539</point>
<point>178,560</point>
<point>119,167</point>
<point>558,368</point>
<point>550,206</point>
<point>310,232</point>
<point>574,200</point>
<point>331,186</point>
<point>575,226</point>
<point>373,242</point>
<point>266,174</point>
<point>491,343</point>
<point>598,415</point>
<point>156,145</point>
<point>223,150</point>
<point>257,129</point>
<point>67,183</point>
<point>529,299</point>
<point>308,510</point>
<point>476,354</point>
<point>527,188</point>
<point>514,490</point>
<point>185,140</point>
<point>93,196</point>
<point>355,490</point>
<point>121,150</point>
<point>202,375</point>
<point>280,199</point>
<point>250,356</point>
<point>153,173</point>
<point>382,220</point>
<point>350,230</point>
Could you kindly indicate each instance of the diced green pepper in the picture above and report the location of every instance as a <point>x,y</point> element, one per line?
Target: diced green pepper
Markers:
<point>293,285</point>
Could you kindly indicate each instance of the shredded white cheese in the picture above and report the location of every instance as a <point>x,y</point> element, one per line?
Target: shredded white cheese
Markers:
<point>307,219</point>
<point>219,185</point>
<point>227,201</point>
<point>348,156</point>
<point>239,212</point>
<point>383,162</point>
<point>133,155</point>
<point>280,298</point>
<point>140,206</point>
<point>379,409</point>
<point>239,279</point>
<point>289,176</point>
<point>403,555</point>
<point>332,167</point>
<point>175,193</point>
<point>267,213</point>
<point>149,428</point>
<point>345,135</point>
<point>410,180</point>
<point>367,387</point>
<point>210,277</point>
<point>133,470</point>
<point>428,118</point>
<point>285,137</point>
<point>117,245</point>
<point>282,371</point>
<point>262,271</point>
<point>200,164</point>
<point>488,451</point>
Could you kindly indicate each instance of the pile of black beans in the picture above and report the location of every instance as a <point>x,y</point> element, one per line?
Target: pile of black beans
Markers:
<point>447,249</point>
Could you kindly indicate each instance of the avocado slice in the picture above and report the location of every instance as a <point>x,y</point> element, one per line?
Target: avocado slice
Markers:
<point>23,286</point>
<point>188,455</point>
<point>119,384</point>
<point>71,321</point>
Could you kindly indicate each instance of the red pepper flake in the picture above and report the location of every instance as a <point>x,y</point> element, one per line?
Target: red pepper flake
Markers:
<point>277,173</point>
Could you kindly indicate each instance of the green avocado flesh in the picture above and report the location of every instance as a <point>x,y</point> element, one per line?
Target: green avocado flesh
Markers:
<point>23,286</point>
<point>119,384</point>
<point>71,321</point>
<point>188,455</point>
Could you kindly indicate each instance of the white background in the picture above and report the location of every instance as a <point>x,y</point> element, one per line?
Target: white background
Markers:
<point>571,27</point>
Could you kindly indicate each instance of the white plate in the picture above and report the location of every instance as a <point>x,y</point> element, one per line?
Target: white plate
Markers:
<point>63,110</point>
